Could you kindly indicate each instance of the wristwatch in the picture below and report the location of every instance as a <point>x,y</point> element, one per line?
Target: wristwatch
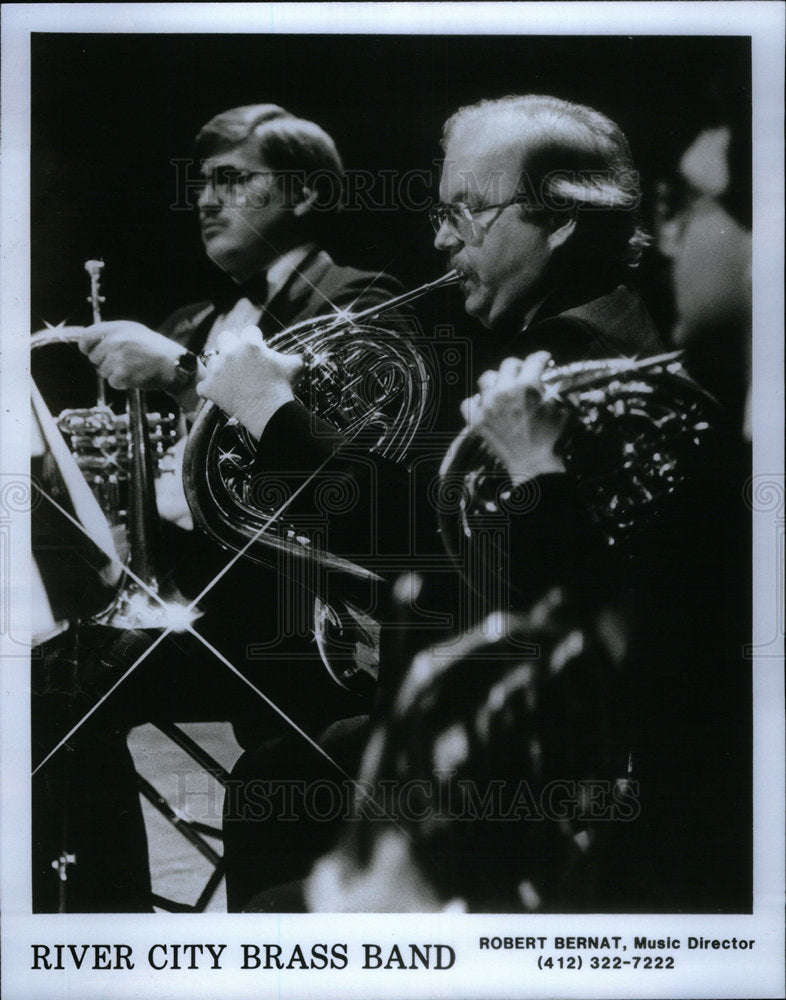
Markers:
<point>185,371</point>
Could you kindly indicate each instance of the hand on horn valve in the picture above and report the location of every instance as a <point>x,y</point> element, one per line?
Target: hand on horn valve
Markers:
<point>129,355</point>
<point>518,421</point>
<point>248,379</point>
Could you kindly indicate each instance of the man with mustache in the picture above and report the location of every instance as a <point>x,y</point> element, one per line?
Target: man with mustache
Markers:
<point>539,213</point>
<point>269,191</point>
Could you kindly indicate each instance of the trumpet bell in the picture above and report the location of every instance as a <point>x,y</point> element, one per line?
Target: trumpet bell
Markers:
<point>97,433</point>
<point>108,437</point>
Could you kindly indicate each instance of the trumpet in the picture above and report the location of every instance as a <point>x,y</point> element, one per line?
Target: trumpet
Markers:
<point>115,454</point>
<point>370,383</point>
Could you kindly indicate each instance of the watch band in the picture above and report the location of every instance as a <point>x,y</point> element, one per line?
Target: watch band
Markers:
<point>185,372</point>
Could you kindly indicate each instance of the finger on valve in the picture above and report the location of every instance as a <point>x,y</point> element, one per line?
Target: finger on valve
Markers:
<point>533,366</point>
<point>511,367</point>
<point>226,341</point>
<point>91,343</point>
<point>251,335</point>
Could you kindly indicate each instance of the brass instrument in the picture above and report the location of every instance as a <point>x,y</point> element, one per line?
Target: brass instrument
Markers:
<point>633,427</point>
<point>368,382</point>
<point>115,453</point>
<point>365,380</point>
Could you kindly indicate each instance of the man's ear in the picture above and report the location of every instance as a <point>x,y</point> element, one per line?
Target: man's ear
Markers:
<point>562,232</point>
<point>307,198</point>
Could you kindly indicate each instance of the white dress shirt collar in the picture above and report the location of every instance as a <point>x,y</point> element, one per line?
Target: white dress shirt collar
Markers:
<point>280,271</point>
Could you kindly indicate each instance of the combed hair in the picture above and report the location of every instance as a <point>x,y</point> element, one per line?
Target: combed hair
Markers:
<point>574,159</point>
<point>232,127</point>
<point>298,151</point>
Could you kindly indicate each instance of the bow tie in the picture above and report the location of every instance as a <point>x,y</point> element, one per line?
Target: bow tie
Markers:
<point>254,289</point>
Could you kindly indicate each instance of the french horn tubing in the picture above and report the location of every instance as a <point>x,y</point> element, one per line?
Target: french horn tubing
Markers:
<point>366,380</point>
<point>370,383</point>
<point>633,427</point>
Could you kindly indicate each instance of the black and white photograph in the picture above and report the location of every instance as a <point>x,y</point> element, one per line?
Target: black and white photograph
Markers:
<point>392,500</point>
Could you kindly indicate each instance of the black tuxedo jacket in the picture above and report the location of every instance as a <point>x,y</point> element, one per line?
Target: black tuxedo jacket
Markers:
<point>611,325</point>
<point>551,539</point>
<point>316,288</point>
<point>249,615</point>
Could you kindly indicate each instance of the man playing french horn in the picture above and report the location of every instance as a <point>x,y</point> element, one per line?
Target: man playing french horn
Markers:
<point>539,215</point>
<point>547,271</point>
<point>522,267</point>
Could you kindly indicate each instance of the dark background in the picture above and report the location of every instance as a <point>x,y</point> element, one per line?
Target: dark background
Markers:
<point>110,113</point>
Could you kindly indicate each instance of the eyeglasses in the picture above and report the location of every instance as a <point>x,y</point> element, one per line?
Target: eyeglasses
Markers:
<point>227,182</point>
<point>460,218</point>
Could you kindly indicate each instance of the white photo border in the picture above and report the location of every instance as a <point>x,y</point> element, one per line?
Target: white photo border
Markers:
<point>757,973</point>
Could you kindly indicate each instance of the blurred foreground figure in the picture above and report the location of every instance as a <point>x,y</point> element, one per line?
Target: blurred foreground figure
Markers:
<point>497,783</point>
<point>706,232</point>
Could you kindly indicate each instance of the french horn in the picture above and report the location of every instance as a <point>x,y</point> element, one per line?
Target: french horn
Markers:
<point>633,427</point>
<point>369,382</point>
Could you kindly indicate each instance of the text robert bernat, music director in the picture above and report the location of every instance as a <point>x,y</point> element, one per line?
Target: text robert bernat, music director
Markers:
<point>439,957</point>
